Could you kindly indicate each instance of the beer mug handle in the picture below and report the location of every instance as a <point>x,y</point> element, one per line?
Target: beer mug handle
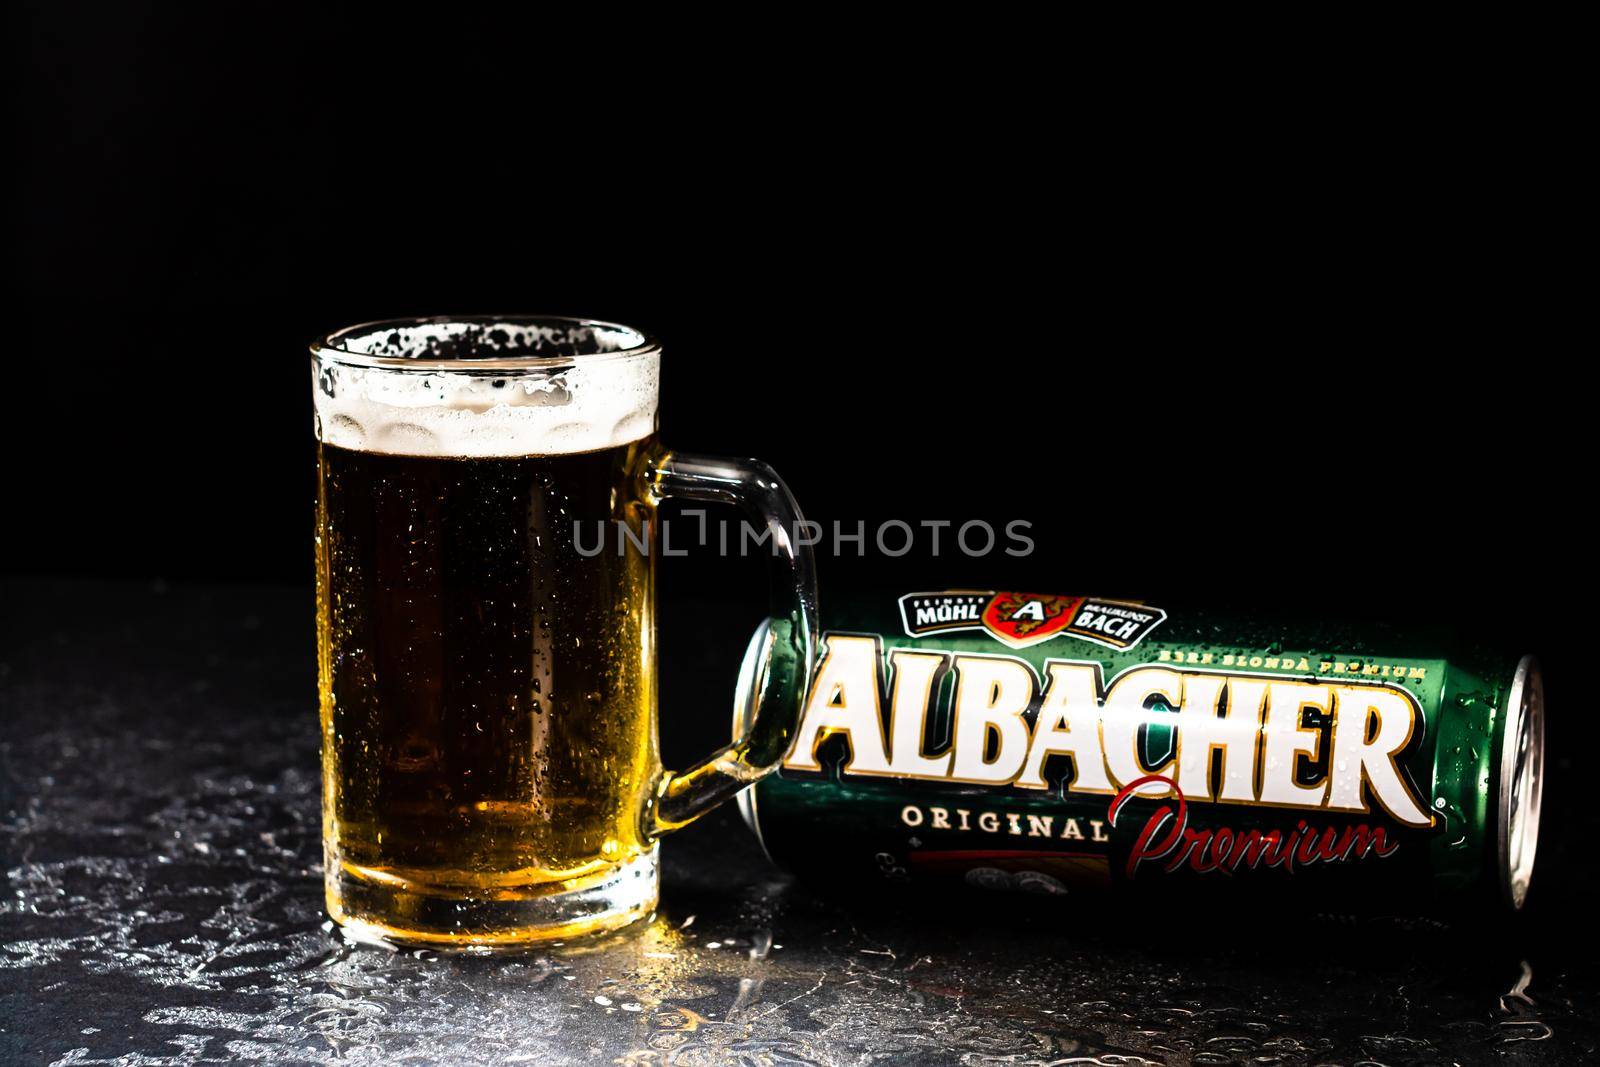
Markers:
<point>785,670</point>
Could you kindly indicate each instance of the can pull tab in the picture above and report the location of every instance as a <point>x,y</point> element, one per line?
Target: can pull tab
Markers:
<point>784,669</point>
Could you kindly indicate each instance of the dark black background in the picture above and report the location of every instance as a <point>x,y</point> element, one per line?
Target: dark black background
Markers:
<point>1278,337</point>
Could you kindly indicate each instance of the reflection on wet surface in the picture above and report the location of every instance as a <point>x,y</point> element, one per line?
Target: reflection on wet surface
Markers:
<point>163,907</point>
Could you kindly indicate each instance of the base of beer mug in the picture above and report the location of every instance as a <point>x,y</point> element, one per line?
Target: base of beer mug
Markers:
<point>390,912</point>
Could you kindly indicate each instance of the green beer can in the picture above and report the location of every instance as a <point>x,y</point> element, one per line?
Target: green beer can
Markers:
<point>1052,744</point>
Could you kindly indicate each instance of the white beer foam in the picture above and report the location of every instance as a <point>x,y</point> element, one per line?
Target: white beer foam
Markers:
<point>591,403</point>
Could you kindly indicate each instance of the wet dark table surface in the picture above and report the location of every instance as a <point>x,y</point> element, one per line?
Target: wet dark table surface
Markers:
<point>163,905</point>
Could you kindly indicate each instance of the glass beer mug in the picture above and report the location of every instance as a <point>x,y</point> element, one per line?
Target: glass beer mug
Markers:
<point>487,678</point>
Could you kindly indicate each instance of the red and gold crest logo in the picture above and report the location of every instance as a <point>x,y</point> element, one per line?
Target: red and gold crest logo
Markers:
<point>1022,619</point>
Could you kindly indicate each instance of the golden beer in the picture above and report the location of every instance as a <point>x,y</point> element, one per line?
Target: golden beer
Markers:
<point>486,496</point>
<point>488,692</point>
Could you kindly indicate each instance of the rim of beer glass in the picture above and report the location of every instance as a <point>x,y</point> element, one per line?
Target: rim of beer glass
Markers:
<point>331,346</point>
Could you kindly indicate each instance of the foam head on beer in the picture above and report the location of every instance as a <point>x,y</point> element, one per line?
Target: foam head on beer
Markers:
<point>580,397</point>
